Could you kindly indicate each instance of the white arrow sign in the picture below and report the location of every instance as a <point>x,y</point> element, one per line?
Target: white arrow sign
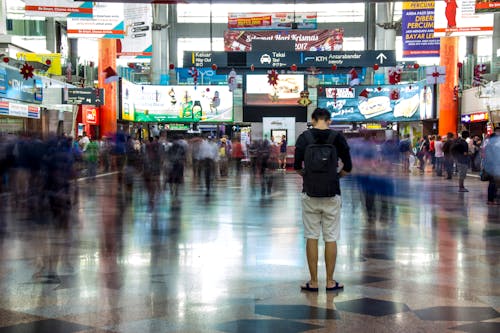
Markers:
<point>381,58</point>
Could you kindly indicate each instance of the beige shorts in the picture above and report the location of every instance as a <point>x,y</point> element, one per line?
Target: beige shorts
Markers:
<point>321,214</point>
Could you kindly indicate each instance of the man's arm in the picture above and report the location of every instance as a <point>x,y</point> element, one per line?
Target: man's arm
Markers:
<point>299,153</point>
<point>344,154</point>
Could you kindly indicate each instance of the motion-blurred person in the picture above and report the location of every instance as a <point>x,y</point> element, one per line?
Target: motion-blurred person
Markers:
<point>237,155</point>
<point>195,145</point>
<point>406,149</point>
<point>448,156</point>
<point>269,164</point>
<point>492,166</point>
<point>224,153</point>
<point>439,156</point>
<point>91,156</point>
<point>283,148</point>
<point>133,165</point>
<point>460,151</point>
<point>208,155</point>
<point>151,171</point>
<point>176,155</point>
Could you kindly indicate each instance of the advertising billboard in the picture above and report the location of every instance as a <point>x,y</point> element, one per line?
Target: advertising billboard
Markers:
<point>418,29</point>
<point>150,103</point>
<point>459,18</point>
<point>106,22</point>
<point>258,91</point>
<point>272,21</point>
<point>487,6</point>
<point>306,40</point>
<point>58,8</point>
<point>414,102</point>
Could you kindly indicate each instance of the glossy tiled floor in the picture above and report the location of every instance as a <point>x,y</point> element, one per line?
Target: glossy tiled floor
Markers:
<point>424,259</point>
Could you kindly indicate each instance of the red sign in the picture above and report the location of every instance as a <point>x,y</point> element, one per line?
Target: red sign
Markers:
<point>307,40</point>
<point>480,116</point>
<point>90,114</point>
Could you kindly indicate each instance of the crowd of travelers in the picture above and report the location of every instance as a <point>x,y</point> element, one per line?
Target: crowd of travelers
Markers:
<point>38,171</point>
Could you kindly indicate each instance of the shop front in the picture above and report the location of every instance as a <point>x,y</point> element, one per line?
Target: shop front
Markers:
<point>19,102</point>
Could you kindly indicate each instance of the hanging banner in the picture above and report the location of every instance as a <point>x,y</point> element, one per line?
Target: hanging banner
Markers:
<point>53,60</point>
<point>418,29</point>
<point>458,18</point>
<point>487,6</point>
<point>307,40</point>
<point>137,41</point>
<point>58,8</point>
<point>372,103</point>
<point>272,21</point>
<point>152,103</point>
<point>107,22</point>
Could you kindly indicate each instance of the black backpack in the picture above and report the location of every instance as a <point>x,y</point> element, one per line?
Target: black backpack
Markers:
<point>320,167</point>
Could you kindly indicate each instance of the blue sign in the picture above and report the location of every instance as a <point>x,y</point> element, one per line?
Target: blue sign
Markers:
<point>206,76</point>
<point>418,30</point>
<point>392,103</point>
<point>14,86</point>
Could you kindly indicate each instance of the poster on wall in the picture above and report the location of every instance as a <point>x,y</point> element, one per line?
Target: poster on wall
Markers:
<point>272,21</point>
<point>487,6</point>
<point>307,40</point>
<point>106,22</point>
<point>137,41</point>
<point>58,8</point>
<point>459,18</point>
<point>418,29</point>
<point>371,103</point>
<point>148,103</point>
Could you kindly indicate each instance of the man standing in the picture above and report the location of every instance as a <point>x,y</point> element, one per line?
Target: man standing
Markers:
<point>317,152</point>
<point>460,151</point>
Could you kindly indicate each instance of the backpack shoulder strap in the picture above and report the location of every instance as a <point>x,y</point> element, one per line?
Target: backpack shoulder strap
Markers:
<point>331,137</point>
<point>309,137</point>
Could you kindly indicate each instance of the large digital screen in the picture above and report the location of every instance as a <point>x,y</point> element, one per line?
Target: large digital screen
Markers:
<point>149,103</point>
<point>258,91</point>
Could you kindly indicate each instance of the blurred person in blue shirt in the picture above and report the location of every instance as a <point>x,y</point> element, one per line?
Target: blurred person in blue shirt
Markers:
<point>492,165</point>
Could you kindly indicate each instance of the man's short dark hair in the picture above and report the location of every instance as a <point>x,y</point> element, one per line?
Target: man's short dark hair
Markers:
<point>465,134</point>
<point>321,113</point>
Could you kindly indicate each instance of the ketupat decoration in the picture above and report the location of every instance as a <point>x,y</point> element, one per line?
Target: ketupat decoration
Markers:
<point>27,71</point>
<point>272,78</point>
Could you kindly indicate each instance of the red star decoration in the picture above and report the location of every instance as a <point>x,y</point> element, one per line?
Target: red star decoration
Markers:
<point>27,71</point>
<point>272,78</point>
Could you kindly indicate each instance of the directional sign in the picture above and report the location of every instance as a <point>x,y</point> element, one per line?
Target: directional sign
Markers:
<point>273,59</point>
<point>204,59</point>
<point>348,58</point>
<point>85,96</point>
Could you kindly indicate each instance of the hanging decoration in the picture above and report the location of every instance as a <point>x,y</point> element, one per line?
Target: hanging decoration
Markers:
<point>363,95</point>
<point>304,98</point>
<point>334,92</point>
<point>416,66</point>
<point>194,74</point>
<point>231,80</point>
<point>110,75</point>
<point>27,71</point>
<point>293,68</point>
<point>48,62</point>
<point>6,59</point>
<point>394,94</point>
<point>354,78</point>
<point>334,67</point>
<point>272,78</point>
<point>214,67</point>
<point>252,67</point>
<point>395,75</point>
<point>376,66</point>
<point>171,66</point>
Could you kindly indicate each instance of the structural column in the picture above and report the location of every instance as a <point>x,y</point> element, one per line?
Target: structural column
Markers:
<point>448,106</point>
<point>108,112</point>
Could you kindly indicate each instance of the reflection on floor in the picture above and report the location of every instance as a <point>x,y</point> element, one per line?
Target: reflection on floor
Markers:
<point>421,258</point>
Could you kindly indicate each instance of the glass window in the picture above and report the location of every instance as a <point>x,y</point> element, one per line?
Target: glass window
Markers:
<point>338,12</point>
<point>197,44</point>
